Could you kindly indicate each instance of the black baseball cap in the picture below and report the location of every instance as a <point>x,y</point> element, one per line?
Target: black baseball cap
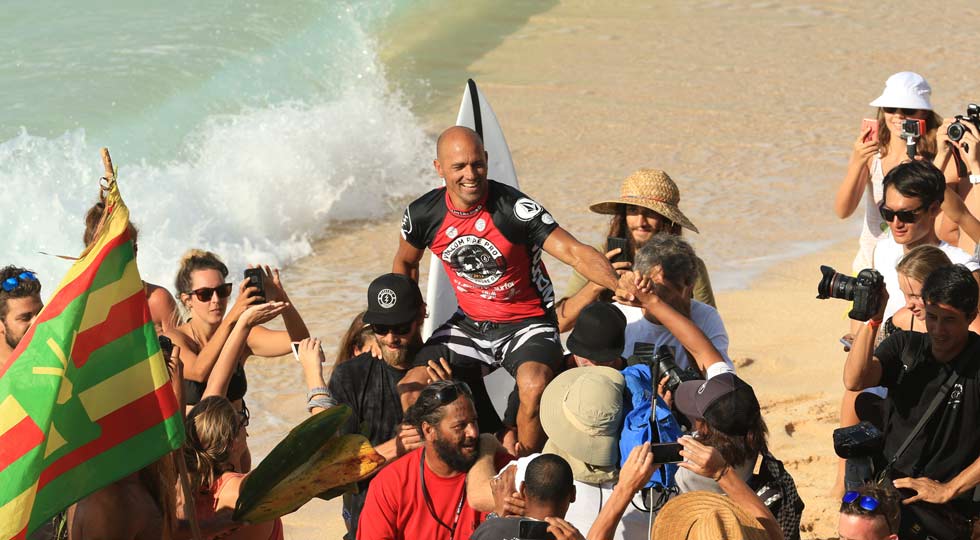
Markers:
<point>393,299</point>
<point>599,333</point>
<point>724,401</point>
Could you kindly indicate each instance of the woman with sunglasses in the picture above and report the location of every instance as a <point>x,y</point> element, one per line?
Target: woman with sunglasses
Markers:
<point>880,148</point>
<point>208,333</point>
<point>647,205</point>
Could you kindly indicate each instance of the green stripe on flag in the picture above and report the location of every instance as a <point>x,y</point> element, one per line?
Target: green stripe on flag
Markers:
<point>114,357</point>
<point>112,266</point>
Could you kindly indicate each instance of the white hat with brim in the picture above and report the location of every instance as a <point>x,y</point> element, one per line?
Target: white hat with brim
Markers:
<point>582,413</point>
<point>905,90</point>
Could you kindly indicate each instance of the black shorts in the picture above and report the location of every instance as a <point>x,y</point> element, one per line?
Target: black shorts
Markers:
<point>465,342</point>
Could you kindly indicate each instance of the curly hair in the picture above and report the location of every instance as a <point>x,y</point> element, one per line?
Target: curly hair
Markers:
<point>25,287</point>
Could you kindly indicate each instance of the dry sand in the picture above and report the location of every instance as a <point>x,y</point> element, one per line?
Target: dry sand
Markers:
<point>752,108</point>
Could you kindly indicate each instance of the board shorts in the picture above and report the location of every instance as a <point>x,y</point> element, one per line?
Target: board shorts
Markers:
<point>465,342</point>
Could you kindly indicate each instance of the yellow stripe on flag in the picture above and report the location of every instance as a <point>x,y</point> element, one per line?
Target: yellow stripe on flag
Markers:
<point>14,514</point>
<point>11,413</point>
<point>124,387</point>
<point>101,301</point>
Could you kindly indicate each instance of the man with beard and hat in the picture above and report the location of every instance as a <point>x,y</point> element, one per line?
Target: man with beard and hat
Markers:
<point>20,303</point>
<point>423,494</point>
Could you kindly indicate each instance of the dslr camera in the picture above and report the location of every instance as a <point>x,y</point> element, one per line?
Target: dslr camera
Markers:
<point>661,362</point>
<point>956,130</point>
<point>864,290</point>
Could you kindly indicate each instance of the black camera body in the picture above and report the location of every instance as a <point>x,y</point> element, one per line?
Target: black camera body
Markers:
<point>956,130</point>
<point>663,364</point>
<point>861,440</point>
<point>864,290</point>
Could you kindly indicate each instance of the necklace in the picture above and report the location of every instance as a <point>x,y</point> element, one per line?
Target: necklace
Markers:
<point>431,507</point>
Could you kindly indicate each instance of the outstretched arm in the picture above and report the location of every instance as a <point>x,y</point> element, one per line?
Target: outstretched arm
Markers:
<point>407,260</point>
<point>583,258</point>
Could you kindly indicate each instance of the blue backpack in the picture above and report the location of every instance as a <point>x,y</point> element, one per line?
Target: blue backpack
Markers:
<point>636,424</point>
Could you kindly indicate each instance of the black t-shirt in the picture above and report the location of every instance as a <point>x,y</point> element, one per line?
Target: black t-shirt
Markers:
<point>370,388</point>
<point>950,441</point>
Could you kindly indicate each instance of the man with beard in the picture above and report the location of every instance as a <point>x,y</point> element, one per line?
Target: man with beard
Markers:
<point>423,494</point>
<point>20,303</point>
<point>369,386</point>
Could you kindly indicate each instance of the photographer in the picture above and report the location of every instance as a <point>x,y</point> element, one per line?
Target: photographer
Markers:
<point>931,443</point>
<point>960,203</point>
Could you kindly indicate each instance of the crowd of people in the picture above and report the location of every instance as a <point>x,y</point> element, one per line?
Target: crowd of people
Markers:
<point>637,427</point>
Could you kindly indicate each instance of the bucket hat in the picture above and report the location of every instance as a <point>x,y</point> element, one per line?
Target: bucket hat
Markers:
<point>905,90</point>
<point>582,413</point>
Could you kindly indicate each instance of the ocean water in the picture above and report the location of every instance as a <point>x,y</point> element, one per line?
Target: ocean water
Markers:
<point>246,128</point>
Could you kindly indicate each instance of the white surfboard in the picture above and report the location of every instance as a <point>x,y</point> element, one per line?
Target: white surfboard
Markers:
<point>474,112</point>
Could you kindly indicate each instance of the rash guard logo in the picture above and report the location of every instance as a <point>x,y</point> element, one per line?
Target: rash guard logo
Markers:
<point>475,259</point>
<point>406,223</point>
<point>525,209</point>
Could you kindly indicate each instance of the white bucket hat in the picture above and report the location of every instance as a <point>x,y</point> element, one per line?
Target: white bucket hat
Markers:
<point>906,90</point>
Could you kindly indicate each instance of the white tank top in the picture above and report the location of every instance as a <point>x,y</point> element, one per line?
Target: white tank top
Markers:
<point>873,228</point>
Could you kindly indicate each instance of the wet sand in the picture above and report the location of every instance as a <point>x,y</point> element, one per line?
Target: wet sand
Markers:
<point>751,107</point>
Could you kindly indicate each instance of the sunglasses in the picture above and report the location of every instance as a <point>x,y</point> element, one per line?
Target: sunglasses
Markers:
<point>204,294</point>
<point>449,394</point>
<point>906,112</point>
<point>385,329</point>
<point>866,502</point>
<point>905,216</point>
<point>11,283</point>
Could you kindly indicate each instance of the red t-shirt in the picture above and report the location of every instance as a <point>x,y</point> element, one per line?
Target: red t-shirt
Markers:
<point>491,252</point>
<point>396,508</point>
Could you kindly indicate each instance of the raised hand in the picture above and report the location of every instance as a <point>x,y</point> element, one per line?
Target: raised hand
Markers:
<point>702,459</point>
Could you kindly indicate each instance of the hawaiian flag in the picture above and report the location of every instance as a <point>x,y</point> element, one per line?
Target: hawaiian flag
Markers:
<point>85,399</point>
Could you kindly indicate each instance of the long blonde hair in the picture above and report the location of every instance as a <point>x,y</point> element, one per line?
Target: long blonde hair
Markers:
<point>212,427</point>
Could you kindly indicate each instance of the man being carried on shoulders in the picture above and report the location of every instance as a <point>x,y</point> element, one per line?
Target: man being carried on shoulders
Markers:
<point>490,238</point>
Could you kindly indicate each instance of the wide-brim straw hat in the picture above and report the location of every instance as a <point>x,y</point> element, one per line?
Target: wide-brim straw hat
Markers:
<point>582,412</point>
<point>649,188</point>
<point>702,515</point>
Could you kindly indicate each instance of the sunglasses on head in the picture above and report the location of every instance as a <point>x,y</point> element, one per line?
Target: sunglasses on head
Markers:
<point>12,282</point>
<point>906,112</point>
<point>204,294</point>
<point>385,329</point>
<point>905,216</point>
<point>450,393</point>
<point>866,502</point>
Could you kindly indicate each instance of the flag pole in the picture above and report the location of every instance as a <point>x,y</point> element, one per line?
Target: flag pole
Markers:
<point>190,512</point>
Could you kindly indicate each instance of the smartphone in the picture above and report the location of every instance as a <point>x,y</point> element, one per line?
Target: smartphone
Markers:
<point>614,242</point>
<point>870,123</point>
<point>166,347</point>
<point>532,529</point>
<point>667,452</point>
<point>254,277</point>
<point>295,347</point>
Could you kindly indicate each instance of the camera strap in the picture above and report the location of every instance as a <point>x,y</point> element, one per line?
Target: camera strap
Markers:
<point>941,396</point>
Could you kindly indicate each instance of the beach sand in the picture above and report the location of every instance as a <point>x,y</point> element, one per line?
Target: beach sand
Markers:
<point>751,107</point>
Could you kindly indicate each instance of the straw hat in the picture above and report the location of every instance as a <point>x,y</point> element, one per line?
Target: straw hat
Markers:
<point>649,188</point>
<point>702,515</point>
<point>582,412</point>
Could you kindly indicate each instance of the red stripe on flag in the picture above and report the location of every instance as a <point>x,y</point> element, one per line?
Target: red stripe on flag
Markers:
<point>19,440</point>
<point>125,423</point>
<point>123,318</point>
<point>66,295</point>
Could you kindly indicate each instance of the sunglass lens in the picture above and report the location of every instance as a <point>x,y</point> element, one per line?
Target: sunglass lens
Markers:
<point>385,329</point>
<point>869,503</point>
<point>9,284</point>
<point>850,497</point>
<point>224,291</point>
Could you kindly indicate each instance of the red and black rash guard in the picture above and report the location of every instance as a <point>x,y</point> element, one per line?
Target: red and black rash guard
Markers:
<point>491,252</point>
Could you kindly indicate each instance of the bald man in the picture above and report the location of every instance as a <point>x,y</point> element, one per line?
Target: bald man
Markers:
<point>490,237</point>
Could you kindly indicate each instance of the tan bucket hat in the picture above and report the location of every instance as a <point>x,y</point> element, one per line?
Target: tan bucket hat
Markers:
<point>582,412</point>
<point>649,188</point>
<point>702,515</point>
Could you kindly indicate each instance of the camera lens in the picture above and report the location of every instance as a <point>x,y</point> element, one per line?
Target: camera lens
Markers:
<point>835,285</point>
<point>955,131</point>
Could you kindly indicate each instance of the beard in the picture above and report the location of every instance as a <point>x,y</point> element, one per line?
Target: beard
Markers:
<point>394,358</point>
<point>453,456</point>
<point>12,340</point>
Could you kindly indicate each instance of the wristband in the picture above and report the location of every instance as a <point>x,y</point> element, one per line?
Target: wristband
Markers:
<point>722,473</point>
<point>317,391</point>
<point>975,178</point>
<point>323,402</point>
<point>873,324</point>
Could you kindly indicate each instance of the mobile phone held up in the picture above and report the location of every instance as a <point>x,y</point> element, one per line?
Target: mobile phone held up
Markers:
<point>872,125</point>
<point>614,242</point>
<point>254,277</point>
<point>532,529</point>
<point>667,452</point>
<point>294,345</point>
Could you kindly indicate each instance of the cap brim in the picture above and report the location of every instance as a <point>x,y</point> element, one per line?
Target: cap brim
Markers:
<point>685,399</point>
<point>576,347</point>
<point>671,213</point>
<point>598,450</point>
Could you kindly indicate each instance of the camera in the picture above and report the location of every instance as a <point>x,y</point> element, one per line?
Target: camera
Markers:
<point>861,440</point>
<point>663,364</point>
<point>864,290</point>
<point>956,130</point>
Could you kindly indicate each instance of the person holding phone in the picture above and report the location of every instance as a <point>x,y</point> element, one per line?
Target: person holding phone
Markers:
<point>879,148</point>
<point>647,205</point>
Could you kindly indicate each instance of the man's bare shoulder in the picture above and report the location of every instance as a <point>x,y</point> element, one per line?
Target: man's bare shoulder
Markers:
<point>122,510</point>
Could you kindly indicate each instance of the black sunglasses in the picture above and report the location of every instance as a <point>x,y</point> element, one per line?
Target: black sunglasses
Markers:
<point>905,216</point>
<point>385,329</point>
<point>449,394</point>
<point>204,294</point>
<point>906,112</point>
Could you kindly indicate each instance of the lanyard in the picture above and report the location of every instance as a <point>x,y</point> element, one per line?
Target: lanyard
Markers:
<point>431,507</point>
